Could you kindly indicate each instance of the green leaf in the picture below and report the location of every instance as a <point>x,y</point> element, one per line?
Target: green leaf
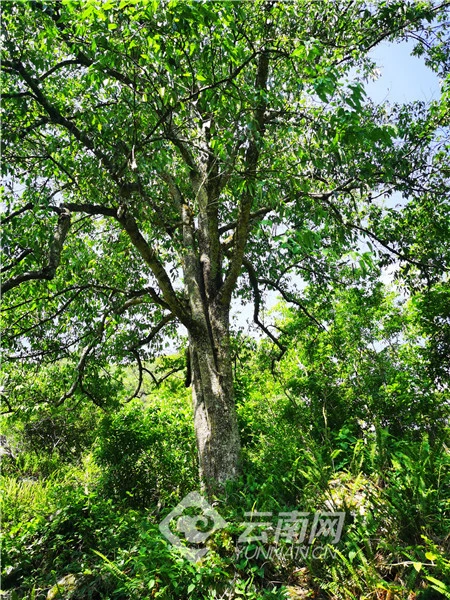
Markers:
<point>440,585</point>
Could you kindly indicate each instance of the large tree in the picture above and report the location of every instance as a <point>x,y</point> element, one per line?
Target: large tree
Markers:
<point>161,157</point>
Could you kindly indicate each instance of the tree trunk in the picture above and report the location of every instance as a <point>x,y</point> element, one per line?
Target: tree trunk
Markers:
<point>215,418</point>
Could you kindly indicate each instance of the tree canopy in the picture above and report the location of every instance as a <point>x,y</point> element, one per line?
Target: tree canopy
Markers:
<point>161,158</point>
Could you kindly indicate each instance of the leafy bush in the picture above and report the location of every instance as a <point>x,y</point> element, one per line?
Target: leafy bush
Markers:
<point>45,437</point>
<point>147,453</point>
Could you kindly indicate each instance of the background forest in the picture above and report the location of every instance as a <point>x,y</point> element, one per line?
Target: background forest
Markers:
<point>163,162</point>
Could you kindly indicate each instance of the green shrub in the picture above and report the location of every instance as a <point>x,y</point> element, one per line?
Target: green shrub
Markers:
<point>147,454</point>
<point>43,438</point>
<point>56,533</point>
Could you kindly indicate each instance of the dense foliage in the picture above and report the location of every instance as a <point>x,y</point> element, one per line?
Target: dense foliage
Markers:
<point>161,159</point>
<point>350,417</point>
<point>164,157</point>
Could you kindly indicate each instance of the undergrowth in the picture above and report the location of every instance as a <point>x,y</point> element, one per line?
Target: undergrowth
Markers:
<point>91,529</point>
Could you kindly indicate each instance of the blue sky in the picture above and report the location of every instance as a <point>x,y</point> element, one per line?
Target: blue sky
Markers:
<point>403,77</point>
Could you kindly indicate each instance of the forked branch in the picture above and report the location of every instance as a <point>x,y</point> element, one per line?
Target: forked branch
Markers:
<point>54,256</point>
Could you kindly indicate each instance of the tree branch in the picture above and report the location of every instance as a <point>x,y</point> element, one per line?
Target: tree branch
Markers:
<point>56,117</point>
<point>17,260</point>
<point>63,63</point>
<point>46,320</point>
<point>389,248</point>
<point>257,303</point>
<point>154,332</point>
<point>140,376</point>
<point>251,161</point>
<point>292,300</point>
<point>18,212</point>
<point>82,365</point>
<point>54,257</point>
<point>128,222</point>
<point>91,209</point>
<point>253,215</point>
